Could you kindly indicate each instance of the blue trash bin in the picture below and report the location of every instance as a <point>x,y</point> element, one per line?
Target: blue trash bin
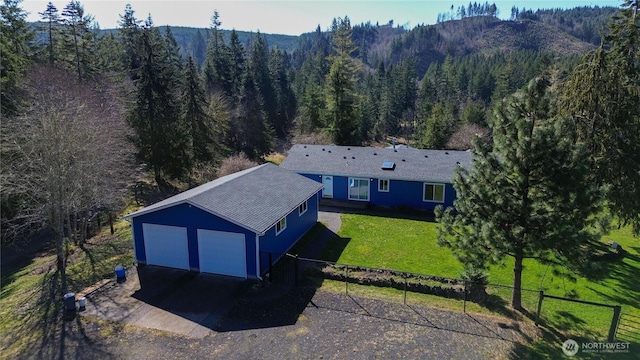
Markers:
<point>120,272</point>
<point>70,302</point>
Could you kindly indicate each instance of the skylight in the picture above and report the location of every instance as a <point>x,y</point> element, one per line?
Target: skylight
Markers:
<point>388,165</point>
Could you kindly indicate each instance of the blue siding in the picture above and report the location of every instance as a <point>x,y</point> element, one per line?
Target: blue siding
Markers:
<point>297,226</point>
<point>401,193</point>
<point>409,193</point>
<point>192,218</point>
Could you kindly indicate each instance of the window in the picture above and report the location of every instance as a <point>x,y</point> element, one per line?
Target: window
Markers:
<point>433,192</point>
<point>281,225</point>
<point>358,189</point>
<point>302,208</point>
<point>383,185</point>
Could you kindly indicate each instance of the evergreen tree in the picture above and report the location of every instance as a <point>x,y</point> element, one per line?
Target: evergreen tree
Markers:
<point>205,140</point>
<point>342,112</point>
<point>602,95</point>
<point>528,196</point>
<point>285,101</point>
<point>51,16</point>
<point>109,54</point>
<point>238,65</point>
<point>76,31</point>
<point>198,48</point>
<point>260,72</point>
<point>251,133</point>
<point>130,31</point>
<point>174,58</point>
<point>16,35</point>
<point>437,128</point>
<point>160,136</point>
<point>216,66</point>
<point>309,90</point>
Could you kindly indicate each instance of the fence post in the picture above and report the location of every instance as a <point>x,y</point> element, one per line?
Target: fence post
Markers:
<point>405,289</point>
<point>540,298</point>
<point>614,323</point>
<point>270,268</point>
<point>295,270</point>
<point>346,280</point>
<point>464,308</point>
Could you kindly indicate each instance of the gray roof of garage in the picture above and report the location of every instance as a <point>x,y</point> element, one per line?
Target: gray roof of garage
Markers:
<point>255,198</point>
<point>410,164</point>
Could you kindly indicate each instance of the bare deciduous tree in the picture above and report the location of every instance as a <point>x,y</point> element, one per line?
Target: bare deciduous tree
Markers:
<point>235,163</point>
<point>65,157</point>
<point>462,139</point>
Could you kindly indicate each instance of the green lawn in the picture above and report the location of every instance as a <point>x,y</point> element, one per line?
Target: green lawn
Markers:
<point>31,299</point>
<point>410,245</point>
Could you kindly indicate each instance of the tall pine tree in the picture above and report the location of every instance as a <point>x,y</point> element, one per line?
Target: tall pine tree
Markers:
<point>16,55</point>
<point>527,197</point>
<point>203,130</point>
<point>251,133</point>
<point>161,137</point>
<point>52,18</point>
<point>342,113</point>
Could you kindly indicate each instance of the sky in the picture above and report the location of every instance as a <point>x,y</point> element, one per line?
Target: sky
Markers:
<point>290,17</point>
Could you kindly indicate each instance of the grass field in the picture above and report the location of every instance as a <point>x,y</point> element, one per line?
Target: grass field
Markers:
<point>410,245</point>
<point>31,297</point>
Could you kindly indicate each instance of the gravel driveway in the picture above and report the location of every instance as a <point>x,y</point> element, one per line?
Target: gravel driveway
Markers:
<point>305,324</point>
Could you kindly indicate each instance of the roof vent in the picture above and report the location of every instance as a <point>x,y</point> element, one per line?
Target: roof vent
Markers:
<point>375,154</point>
<point>395,150</point>
<point>426,156</point>
<point>388,165</point>
<point>446,153</point>
<point>403,160</point>
<point>458,162</point>
<point>329,151</point>
<point>305,146</point>
<point>322,149</point>
<point>344,157</point>
<point>307,155</point>
<point>348,148</point>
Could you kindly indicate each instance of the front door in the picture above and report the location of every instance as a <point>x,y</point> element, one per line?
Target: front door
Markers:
<point>327,182</point>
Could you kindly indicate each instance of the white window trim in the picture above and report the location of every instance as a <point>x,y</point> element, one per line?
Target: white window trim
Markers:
<point>424,192</point>
<point>349,187</point>
<point>304,205</point>
<point>282,228</point>
<point>388,185</point>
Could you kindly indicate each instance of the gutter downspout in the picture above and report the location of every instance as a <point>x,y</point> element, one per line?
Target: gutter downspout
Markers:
<point>258,257</point>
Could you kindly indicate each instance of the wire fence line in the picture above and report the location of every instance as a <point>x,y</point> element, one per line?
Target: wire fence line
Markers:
<point>294,270</point>
<point>416,288</point>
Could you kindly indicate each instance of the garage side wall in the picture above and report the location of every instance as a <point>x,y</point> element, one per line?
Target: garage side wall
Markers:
<point>192,218</point>
<point>297,226</point>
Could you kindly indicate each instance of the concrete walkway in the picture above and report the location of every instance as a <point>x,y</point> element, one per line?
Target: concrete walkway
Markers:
<point>165,299</point>
<point>330,217</point>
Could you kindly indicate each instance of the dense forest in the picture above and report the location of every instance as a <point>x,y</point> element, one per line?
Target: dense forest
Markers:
<point>86,111</point>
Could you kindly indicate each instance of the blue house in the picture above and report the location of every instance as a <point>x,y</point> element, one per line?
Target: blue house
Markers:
<point>224,226</point>
<point>389,177</point>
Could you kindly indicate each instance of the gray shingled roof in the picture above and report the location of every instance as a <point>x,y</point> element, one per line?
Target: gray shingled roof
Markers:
<point>255,198</point>
<point>410,164</point>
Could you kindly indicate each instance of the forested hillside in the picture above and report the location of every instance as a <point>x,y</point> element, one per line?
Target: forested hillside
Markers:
<point>187,99</point>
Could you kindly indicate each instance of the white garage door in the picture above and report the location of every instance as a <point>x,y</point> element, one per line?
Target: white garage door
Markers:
<point>166,245</point>
<point>222,253</point>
